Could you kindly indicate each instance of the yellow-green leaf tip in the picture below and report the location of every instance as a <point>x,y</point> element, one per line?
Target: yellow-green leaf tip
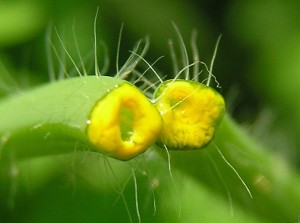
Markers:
<point>191,113</point>
<point>124,123</point>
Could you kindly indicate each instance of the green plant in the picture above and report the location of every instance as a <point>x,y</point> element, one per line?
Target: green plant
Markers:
<point>83,185</point>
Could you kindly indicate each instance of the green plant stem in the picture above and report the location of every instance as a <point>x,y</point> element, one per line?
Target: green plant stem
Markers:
<point>50,119</point>
<point>273,183</point>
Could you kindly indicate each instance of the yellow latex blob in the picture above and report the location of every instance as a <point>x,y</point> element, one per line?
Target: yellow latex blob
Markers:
<point>191,113</point>
<point>124,123</point>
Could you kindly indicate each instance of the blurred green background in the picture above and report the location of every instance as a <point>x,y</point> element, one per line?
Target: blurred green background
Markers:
<point>258,66</point>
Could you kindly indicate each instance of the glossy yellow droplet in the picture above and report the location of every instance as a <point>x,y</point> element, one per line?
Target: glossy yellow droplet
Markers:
<point>124,123</point>
<point>191,113</point>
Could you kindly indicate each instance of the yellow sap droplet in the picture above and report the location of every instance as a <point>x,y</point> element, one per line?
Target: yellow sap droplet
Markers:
<point>124,123</point>
<point>191,113</point>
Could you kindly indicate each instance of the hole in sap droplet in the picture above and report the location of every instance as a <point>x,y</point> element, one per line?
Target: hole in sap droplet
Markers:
<point>126,122</point>
<point>174,102</point>
<point>177,99</point>
<point>177,102</point>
